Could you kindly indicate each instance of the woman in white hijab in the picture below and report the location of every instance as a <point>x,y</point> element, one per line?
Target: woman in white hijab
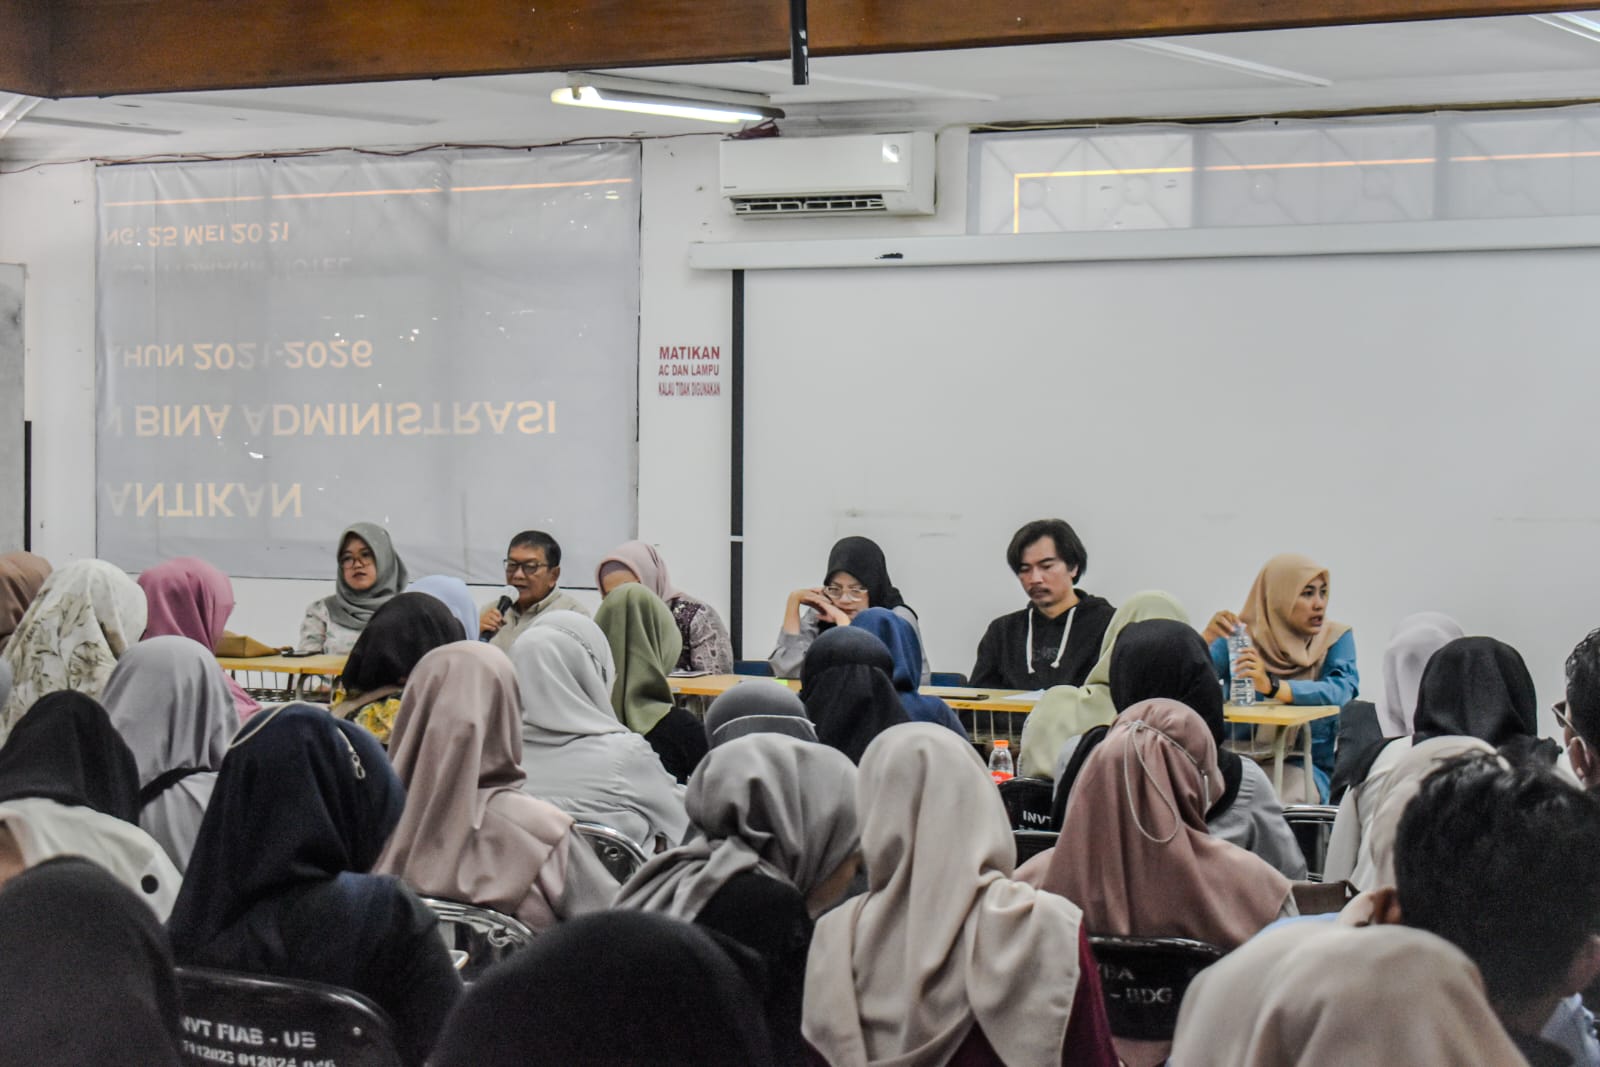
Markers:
<point>576,753</point>
<point>86,615</point>
<point>945,956</point>
<point>171,703</point>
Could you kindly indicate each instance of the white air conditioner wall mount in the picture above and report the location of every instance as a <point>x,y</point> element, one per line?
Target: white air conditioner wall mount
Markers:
<point>860,174</point>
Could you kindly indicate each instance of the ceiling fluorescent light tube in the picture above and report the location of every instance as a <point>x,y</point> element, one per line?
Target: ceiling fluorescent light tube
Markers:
<point>669,106</point>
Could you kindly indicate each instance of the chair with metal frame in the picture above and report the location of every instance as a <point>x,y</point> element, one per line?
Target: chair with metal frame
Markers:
<point>1313,829</point>
<point>228,1016</point>
<point>617,851</point>
<point>1032,842</point>
<point>1143,980</point>
<point>1029,803</point>
<point>485,935</point>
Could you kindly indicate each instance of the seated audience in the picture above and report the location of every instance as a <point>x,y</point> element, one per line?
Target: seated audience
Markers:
<point>278,883</point>
<point>575,752</point>
<point>1314,994</point>
<point>86,615</point>
<point>945,958</point>
<point>533,569</point>
<point>188,597</point>
<point>1056,639</point>
<point>620,989</point>
<point>857,579</point>
<point>900,638</point>
<point>1296,656</point>
<point>846,688</point>
<point>70,787</point>
<point>1472,687</point>
<point>169,701</point>
<point>707,648</point>
<point>370,574</point>
<point>754,708</point>
<point>1135,852</point>
<point>776,847</point>
<point>645,644</point>
<point>88,978</point>
<point>401,632</point>
<point>468,832</point>
<point>453,594</point>
<point>22,574</point>
<point>1579,713</point>
<point>1065,713</point>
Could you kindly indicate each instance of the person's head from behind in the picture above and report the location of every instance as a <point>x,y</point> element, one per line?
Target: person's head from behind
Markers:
<point>533,566</point>
<point>1048,559</point>
<point>1581,715</point>
<point>1503,861</point>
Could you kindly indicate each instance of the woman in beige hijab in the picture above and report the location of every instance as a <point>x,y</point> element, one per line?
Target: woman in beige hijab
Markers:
<point>468,832</point>
<point>1296,655</point>
<point>1066,711</point>
<point>946,958</point>
<point>1315,994</point>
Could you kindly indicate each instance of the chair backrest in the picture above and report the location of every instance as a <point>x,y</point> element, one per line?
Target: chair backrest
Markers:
<point>756,668</point>
<point>954,679</point>
<point>1313,828</point>
<point>616,850</point>
<point>485,935</point>
<point>1144,979</point>
<point>1032,842</point>
<point>244,1018</point>
<point>1029,802</point>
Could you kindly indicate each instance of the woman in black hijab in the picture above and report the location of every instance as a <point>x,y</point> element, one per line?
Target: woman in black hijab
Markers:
<point>1476,687</point>
<point>88,975</point>
<point>615,989</point>
<point>401,632</point>
<point>846,688</point>
<point>857,578</point>
<point>1164,659</point>
<point>278,881</point>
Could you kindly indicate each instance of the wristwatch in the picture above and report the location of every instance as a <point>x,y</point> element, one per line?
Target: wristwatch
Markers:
<point>1275,682</point>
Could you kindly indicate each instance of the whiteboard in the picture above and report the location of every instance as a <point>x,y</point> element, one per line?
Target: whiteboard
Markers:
<point>1419,423</point>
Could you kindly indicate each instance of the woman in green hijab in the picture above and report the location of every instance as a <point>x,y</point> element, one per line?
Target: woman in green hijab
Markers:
<point>646,643</point>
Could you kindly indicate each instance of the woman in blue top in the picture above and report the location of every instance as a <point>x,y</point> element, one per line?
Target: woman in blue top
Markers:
<point>900,637</point>
<point>1296,655</point>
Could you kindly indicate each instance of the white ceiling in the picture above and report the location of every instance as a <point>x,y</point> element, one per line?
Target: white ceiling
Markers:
<point>1507,59</point>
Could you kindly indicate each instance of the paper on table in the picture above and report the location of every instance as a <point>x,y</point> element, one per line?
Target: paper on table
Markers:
<point>1027,698</point>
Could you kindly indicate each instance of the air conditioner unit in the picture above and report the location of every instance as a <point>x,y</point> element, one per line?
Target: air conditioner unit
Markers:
<point>871,174</point>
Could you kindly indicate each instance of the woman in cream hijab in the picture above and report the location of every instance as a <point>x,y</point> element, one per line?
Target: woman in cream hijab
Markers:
<point>86,615</point>
<point>1066,711</point>
<point>946,957</point>
<point>468,832</point>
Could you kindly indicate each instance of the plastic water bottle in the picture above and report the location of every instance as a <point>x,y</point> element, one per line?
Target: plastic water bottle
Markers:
<point>1242,690</point>
<point>1001,768</point>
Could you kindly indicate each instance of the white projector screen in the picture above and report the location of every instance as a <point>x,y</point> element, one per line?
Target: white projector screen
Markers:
<point>1419,423</point>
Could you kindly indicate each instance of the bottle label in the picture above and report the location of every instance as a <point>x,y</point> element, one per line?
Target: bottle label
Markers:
<point>1001,776</point>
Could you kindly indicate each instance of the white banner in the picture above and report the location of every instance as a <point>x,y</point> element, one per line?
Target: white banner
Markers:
<point>446,344</point>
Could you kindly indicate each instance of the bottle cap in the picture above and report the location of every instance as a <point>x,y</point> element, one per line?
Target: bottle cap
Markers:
<point>1002,743</point>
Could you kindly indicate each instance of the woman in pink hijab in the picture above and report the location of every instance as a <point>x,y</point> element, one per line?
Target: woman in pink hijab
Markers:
<point>707,648</point>
<point>188,597</point>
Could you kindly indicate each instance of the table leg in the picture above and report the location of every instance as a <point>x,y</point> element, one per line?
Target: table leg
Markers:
<point>1280,746</point>
<point>1305,749</point>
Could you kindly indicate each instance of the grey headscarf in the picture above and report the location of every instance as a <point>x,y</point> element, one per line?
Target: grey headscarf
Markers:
<point>768,803</point>
<point>757,707</point>
<point>352,609</point>
<point>168,699</point>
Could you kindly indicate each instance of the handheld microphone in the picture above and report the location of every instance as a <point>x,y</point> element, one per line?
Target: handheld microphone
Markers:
<point>508,597</point>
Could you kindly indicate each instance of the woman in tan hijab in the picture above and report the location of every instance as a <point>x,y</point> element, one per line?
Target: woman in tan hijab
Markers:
<point>1320,993</point>
<point>945,958</point>
<point>22,575</point>
<point>468,832</point>
<point>1296,654</point>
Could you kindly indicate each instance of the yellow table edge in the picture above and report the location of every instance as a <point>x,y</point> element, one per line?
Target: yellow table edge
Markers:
<point>321,665</point>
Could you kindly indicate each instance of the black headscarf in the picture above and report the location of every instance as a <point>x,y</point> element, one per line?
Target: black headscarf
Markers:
<point>1476,687</point>
<point>863,560</point>
<point>615,989</point>
<point>65,749</point>
<point>88,975</point>
<point>846,688</point>
<point>302,799</point>
<point>401,632</point>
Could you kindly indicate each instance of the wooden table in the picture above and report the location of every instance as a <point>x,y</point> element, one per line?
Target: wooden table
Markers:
<point>299,668</point>
<point>1010,702</point>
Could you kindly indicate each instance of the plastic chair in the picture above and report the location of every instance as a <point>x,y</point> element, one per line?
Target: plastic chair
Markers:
<point>1313,828</point>
<point>485,935</point>
<point>234,1018</point>
<point>1144,979</point>
<point>755,668</point>
<point>1032,842</point>
<point>954,679</point>
<point>617,851</point>
<point>1029,803</point>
